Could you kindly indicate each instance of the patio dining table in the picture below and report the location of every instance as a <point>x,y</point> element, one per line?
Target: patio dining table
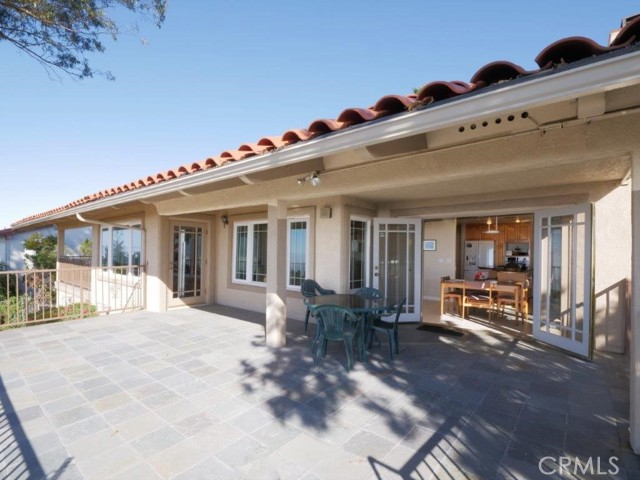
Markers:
<point>359,305</point>
<point>492,286</point>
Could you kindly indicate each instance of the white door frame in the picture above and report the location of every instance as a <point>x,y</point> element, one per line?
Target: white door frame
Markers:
<point>579,270</point>
<point>413,310</point>
<point>196,299</point>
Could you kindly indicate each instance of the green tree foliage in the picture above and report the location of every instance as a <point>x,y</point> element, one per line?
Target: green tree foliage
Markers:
<point>85,248</point>
<point>45,250</point>
<point>8,283</point>
<point>60,33</point>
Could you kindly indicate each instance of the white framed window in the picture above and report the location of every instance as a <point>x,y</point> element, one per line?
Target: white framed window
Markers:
<point>250,253</point>
<point>297,251</point>
<point>121,246</point>
<point>359,238</point>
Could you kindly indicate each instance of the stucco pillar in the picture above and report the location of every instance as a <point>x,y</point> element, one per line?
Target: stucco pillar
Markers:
<point>276,310</point>
<point>156,254</point>
<point>634,389</point>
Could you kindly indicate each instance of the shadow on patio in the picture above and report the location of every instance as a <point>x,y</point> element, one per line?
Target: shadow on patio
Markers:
<point>477,406</point>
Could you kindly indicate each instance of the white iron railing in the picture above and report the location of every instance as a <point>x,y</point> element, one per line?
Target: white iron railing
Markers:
<point>69,291</point>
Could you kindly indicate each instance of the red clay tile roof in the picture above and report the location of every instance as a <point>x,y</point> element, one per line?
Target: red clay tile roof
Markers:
<point>564,51</point>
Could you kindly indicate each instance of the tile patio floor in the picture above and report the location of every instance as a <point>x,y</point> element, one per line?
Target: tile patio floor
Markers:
<point>195,394</point>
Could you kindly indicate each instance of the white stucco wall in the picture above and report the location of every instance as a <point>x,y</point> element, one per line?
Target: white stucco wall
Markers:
<point>612,267</point>
<point>440,262</point>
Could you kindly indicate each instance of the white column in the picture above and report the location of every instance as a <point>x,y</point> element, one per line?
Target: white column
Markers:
<point>276,309</point>
<point>634,373</point>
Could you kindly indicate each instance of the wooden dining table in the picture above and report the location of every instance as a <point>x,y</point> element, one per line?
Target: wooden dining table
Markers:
<point>511,288</point>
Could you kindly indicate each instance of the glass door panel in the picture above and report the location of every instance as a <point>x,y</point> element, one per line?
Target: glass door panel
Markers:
<point>563,287</point>
<point>186,265</point>
<point>397,262</point>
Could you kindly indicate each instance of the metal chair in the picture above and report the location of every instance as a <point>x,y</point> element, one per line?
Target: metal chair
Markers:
<point>335,323</point>
<point>310,288</point>
<point>390,329</point>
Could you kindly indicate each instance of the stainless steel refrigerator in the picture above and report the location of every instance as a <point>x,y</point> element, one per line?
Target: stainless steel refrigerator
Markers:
<point>478,255</point>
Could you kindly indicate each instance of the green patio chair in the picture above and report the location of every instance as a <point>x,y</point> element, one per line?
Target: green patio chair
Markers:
<point>368,292</point>
<point>310,288</point>
<point>335,324</point>
<point>390,329</point>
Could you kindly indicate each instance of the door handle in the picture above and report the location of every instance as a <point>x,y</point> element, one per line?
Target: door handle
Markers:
<point>375,274</point>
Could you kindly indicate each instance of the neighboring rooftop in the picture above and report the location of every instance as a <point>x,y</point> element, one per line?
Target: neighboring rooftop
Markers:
<point>557,56</point>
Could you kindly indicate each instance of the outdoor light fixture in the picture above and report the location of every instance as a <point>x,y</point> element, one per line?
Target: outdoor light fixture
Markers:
<point>225,220</point>
<point>312,178</point>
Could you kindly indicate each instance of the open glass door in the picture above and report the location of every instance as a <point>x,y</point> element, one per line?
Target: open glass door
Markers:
<point>397,263</point>
<point>563,287</point>
<point>186,265</point>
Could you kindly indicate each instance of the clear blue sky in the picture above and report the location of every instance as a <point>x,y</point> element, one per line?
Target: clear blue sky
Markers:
<point>222,73</point>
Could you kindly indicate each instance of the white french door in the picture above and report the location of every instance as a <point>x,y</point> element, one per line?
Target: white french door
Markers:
<point>397,263</point>
<point>187,282</point>
<point>562,275</point>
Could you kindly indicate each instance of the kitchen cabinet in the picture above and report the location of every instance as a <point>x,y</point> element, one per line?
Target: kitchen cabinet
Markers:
<point>524,232</point>
<point>474,232</point>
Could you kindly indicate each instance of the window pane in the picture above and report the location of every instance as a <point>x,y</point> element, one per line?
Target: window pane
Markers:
<point>104,248</point>
<point>242,232</point>
<point>121,246</point>
<point>136,245</point>
<point>259,253</point>
<point>297,252</point>
<point>358,254</point>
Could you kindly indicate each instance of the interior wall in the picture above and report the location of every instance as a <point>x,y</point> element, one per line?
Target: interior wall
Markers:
<point>612,267</point>
<point>442,261</point>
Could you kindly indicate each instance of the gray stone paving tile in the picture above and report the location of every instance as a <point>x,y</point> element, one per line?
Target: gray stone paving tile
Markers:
<point>217,436</point>
<point>157,441</point>
<point>210,469</point>
<point>307,450</point>
<point>177,459</point>
<point>195,423</point>
<point>109,462</point>
<point>160,400</point>
<point>101,392</point>
<point>72,415</point>
<point>251,420</point>
<point>124,413</point>
<point>81,429</point>
<point>139,425</point>
<point>140,471</point>
<point>276,434</point>
<point>242,452</point>
<point>64,403</point>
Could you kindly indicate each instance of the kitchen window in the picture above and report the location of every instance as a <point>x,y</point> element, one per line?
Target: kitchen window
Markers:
<point>250,253</point>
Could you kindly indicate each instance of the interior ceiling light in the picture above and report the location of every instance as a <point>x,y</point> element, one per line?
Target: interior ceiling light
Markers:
<point>490,230</point>
<point>517,219</point>
<point>312,178</point>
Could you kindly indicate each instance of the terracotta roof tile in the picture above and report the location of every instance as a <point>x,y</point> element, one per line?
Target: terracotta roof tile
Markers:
<point>569,50</point>
<point>628,34</point>
<point>496,72</point>
<point>566,50</point>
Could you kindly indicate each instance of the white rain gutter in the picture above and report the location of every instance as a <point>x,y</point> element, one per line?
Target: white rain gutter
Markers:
<point>608,74</point>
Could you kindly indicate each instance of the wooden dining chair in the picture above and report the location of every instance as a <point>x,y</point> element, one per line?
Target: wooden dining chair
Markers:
<point>506,298</point>
<point>473,298</point>
<point>452,295</point>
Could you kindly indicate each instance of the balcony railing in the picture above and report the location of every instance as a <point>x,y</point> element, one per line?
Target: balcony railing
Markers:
<point>39,296</point>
